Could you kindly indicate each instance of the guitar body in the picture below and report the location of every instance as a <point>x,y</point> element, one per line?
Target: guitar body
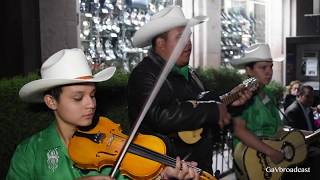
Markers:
<point>190,137</point>
<point>256,165</point>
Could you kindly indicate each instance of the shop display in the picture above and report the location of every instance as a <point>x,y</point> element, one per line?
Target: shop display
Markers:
<point>237,33</point>
<point>106,29</point>
<point>107,26</point>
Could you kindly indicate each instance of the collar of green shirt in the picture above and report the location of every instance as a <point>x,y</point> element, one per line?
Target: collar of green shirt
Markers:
<point>184,71</point>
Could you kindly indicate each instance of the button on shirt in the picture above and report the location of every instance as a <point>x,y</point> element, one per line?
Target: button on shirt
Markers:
<point>44,156</point>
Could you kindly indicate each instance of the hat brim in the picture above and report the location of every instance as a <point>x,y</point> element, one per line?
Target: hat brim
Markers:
<point>240,63</point>
<point>33,91</point>
<point>146,33</point>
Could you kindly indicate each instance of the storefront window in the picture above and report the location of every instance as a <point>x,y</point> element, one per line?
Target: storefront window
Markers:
<point>107,26</point>
<point>242,24</point>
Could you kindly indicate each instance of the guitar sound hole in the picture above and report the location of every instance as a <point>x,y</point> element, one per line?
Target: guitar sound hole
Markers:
<point>288,151</point>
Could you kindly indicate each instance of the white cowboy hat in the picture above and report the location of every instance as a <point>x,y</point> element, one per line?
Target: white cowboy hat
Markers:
<point>67,66</point>
<point>254,53</point>
<point>163,21</point>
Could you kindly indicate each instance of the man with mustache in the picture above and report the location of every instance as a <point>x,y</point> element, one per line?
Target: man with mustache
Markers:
<point>182,102</point>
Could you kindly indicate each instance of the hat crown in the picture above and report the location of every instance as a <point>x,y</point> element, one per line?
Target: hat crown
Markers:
<point>66,64</point>
<point>172,12</point>
<point>163,21</point>
<point>258,51</point>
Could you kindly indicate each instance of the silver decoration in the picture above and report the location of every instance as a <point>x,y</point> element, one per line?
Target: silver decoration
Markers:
<point>237,33</point>
<point>53,159</point>
<point>107,27</point>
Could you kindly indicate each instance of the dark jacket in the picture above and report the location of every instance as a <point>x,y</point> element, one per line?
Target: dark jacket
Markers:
<point>288,100</point>
<point>171,110</point>
<point>295,117</point>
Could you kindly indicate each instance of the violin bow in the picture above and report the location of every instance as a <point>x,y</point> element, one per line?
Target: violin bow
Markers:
<point>170,63</point>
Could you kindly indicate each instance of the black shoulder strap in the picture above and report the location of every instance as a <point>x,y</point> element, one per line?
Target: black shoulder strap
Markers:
<point>196,79</point>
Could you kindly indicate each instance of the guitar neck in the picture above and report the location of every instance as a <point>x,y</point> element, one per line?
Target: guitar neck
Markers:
<point>229,97</point>
<point>251,84</point>
<point>311,137</point>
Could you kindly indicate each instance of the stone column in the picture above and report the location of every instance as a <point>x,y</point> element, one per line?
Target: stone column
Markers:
<point>206,37</point>
<point>275,37</point>
<point>59,22</point>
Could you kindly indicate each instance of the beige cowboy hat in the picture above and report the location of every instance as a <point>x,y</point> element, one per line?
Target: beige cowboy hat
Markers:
<point>255,53</point>
<point>163,21</point>
<point>67,66</point>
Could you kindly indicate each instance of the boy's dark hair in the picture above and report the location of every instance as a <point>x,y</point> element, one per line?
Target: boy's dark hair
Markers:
<point>54,92</point>
<point>250,65</point>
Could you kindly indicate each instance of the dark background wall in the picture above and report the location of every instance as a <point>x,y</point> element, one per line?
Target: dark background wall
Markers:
<point>307,40</point>
<point>307,25</point>
<point>34,30</point>
<point>21,38</point>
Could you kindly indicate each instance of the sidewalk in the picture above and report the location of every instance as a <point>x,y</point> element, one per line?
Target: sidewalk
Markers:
<point>231,176</point>
<point>223,161</point>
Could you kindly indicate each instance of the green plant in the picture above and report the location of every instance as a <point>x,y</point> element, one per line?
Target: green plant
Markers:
<point>18,119</point>
<point>220,80</point>
<point>277,90</point>
<point>119,79</point>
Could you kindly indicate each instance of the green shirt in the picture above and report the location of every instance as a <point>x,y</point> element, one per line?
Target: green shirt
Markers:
<point>184,71</point>
<point>262,117</point>
<point>44,156</point>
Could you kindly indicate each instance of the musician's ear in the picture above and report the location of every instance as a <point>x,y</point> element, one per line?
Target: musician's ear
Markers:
<point>50,101</point>
<point>160,43</point>
<point>249,71</point>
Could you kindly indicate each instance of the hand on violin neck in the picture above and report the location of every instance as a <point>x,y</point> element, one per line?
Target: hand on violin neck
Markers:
<point>183,170</point>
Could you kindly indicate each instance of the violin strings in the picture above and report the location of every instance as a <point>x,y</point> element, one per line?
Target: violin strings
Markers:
<point>138,150</point>
<point>167,160</point>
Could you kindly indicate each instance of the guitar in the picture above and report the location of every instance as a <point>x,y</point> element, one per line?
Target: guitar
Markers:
<point>191,137</point>
<point>252,164</point>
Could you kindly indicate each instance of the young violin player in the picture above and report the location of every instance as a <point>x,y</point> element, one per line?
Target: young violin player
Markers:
<point>67,87</point>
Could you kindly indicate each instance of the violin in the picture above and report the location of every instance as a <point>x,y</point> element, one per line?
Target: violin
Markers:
<point>101,145</point>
